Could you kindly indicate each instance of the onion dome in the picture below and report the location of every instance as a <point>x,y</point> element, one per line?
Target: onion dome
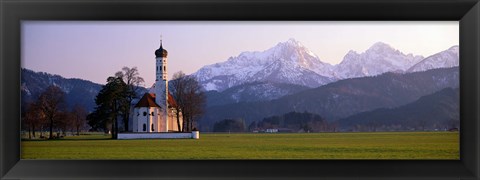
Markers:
<point>161,52</point>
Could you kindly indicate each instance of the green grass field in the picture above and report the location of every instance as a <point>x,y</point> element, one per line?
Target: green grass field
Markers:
<point>378,145</point>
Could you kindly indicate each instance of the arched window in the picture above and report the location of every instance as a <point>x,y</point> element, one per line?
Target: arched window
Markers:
<point>160,68</point>
<point>153,128</point>
<point>144,113</point>
<point>164,68</point>
<point>144,127</point>
<point>153,114</point>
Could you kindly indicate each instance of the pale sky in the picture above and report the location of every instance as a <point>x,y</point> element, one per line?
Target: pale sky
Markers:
<point>94,50</point>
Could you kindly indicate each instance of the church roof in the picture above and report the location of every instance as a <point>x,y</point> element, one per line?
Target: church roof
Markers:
<point>148,100</point>
<point>171,100</point>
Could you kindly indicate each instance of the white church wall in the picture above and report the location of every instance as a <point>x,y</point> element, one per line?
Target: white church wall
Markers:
<point>157,120</point>
<point>153,113</point>
<point>161,118</point>
<point>172,121</point>
<point>143,119</point>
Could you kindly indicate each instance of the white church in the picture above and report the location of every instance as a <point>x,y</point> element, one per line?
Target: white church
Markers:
<point>154,115</point>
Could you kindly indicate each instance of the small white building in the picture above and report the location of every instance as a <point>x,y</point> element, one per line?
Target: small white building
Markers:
<point>271,130</point>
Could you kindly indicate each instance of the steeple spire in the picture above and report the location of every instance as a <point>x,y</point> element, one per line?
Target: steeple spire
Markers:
<point>160,52</point>
<point>160,40</point>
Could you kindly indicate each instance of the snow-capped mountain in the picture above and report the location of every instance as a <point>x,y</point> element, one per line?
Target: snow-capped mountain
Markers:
<point>447,58</point>
<point>378,59</point>
<point>292,63</point>
<point>287,62</point>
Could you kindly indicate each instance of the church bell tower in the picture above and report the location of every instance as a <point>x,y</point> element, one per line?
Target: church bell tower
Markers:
<point>161,84</point>
<point>161,57</point>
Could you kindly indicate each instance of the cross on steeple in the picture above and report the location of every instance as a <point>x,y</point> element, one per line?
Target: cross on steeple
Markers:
<point>160,40</point>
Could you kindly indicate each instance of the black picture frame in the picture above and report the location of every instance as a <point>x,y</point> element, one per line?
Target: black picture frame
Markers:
<point>12,12</point>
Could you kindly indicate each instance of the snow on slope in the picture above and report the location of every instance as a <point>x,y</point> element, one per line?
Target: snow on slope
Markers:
<point>444,59</point>
<point>287,62</point>
<point>292,63</point>
<point>378,59</point>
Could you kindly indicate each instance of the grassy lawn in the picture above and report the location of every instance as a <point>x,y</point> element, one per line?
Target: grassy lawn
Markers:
<point>377,145</point>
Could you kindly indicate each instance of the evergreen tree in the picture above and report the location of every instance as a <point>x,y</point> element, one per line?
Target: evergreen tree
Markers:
<point>111,103</point>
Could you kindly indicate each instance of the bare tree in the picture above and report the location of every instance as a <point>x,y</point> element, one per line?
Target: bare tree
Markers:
<point>52,103</point>
<point>79,118</point>
<point>334,126</point>
<point>63,123</point>
<point>33,118</point>
<point>190,99</point>
<point>132,78</point>
<point>177,86</point>
<point>194,101</point>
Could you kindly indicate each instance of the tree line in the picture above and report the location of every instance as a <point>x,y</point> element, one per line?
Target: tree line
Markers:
<point>288,122</point>
<point>49,112</point>
<point>230,125</point>
<point>295,122</point>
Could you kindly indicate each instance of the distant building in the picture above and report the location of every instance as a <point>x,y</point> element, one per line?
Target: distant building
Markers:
<point>271,130</point>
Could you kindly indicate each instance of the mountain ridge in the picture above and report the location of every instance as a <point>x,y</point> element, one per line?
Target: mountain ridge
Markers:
<point>343,98</point>
<point>277,64</point>
<point>293,63</point>
<point>77,91</point>
<point>439,110</point>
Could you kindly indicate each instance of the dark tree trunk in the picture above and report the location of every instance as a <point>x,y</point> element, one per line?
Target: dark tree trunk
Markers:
<point>33,130</point>
<point>184,124</point>
<point>126,119</point>
<point>188,125</point>
<point>51,129</point>
<point>30,132</point>
<point>78,130</point>
<point>178,119</point>
<point>113,130</point>
<point>114,125</point>
<point>190,128</point>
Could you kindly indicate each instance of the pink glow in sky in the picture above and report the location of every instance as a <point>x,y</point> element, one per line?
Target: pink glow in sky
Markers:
<point>94,50</point>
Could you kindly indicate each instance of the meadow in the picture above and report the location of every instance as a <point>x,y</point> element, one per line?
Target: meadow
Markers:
<point>371,145</point>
